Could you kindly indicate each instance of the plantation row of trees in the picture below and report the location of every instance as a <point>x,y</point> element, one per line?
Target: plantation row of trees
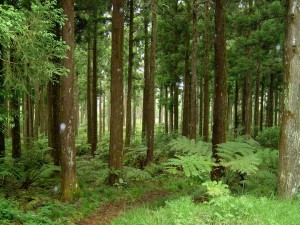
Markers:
<point>204,69</point>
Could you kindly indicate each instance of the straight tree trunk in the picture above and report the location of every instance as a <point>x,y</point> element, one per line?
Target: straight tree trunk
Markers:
<point>186,94</point>
<point>2,102</point>
<point>130,68</point>
<point>104,115</point>
<point>256,104</point>
<point>236,103</point>
<point>220,92</point>
<point>193,90</point>
<point>201,105</point>
<point>42,111</point>
<point>69,185</point>
<point>270,109</point>
<point>151,100</point>
<point>146,77</point>
<point>15,130</point>
<point>206,79</point>
<point>171,106</point>
<point>166,110</point>
<point>89,94</point>
<point>37,112</point>
<point>116,93</point>
<point>94,95</point>
<point>289,155</point>
<point>100,116</point>
<point>262,106</point>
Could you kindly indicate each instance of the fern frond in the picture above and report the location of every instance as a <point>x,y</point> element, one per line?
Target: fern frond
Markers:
<point>239,157</point>
<point>191,165</point>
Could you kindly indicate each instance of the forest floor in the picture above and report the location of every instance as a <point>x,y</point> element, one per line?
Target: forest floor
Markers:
<point>107,212</point>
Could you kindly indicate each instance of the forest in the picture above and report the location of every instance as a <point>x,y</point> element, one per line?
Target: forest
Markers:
<point>149,112</point>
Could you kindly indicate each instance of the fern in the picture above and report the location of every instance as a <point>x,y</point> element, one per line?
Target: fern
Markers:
<point>239,157</point>
<point>191,165</point>
<point>185,146</point>
<point>131,173</point>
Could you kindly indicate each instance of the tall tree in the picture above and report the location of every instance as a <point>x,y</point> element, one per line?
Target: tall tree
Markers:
<point>2,101</point>
<point>94,91</point>
<point>151,100</point>
<point>69,185</point>
<point>220,92</point>
<point>289,154</point>
<point>206,77</point>
<point>193,91</point>
<point>130,69</point>
<point>116,93</point>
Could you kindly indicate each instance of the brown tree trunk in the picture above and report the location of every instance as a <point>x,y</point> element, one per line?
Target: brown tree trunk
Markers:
<point>2,102</point>
<point>146,77</point>
<point>270,104</point>
<point>171,107</point>
<point>193,90</point>
<point>130,67</point>
<point>100,116</point>
<point>104,115</point>
<point>206,78</point>
<point>151,100</point>
<point>166,110</point>
<point>236,103</point>
<point>89,94</point>
<point>37,112</point>
<point>69,185</point>
<point>262,106</point>
<point>256,104</point>
<point>116,93</point>
<point>289,155</point>
<point>220,92</point>
<point>186,94</point>
<point>42,111</point>
<point>276,108</point>
<point>94,95</point>
<point>15,130</point>
<point>76,102</point>
<point>201,105</point>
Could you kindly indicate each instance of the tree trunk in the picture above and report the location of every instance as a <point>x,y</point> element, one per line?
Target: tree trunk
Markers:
<point>151,100</point>
<point>15,130</point>
<point>262,106</point>
<point>69,185</point>
<point>42,111</point>
<point>186,94</point>
<point>89,94</point>
<point>104,115</point>
<point>220,92</point>
<point>193,90</point>
<point>116,93</point>
<point>2,103</point>
<point>256,104</point>
<point>146,77</point>
<point>289,155</point>
<point>94,95</point>
<point>37,112</point>
<point>201,105</point>
<point>270,109</point>
<point>166,110</point>
<point>130,67</point>
<point>171,107</point>
<point>236,113</point>
<point>206,78</point>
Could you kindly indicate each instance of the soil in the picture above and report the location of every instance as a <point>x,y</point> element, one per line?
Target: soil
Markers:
<point>112,210</point>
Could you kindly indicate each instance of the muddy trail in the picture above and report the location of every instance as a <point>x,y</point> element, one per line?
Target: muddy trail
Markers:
<point>111,210</point>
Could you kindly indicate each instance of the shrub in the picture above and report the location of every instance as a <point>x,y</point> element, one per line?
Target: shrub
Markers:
<point>269,137</point>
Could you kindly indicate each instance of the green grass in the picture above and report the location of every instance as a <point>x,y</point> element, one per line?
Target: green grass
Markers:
<point>240,210</point>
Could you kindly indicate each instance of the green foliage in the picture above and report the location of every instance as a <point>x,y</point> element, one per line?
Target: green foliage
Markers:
<point>191,165</point>
<point>269,137</point>
<point>239,157</point>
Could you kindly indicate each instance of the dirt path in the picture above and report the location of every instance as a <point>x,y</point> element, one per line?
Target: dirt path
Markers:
<point>111,210</point>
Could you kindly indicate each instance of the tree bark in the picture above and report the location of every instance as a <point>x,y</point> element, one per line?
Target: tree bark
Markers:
<point>193,90</point>
<point>206,78</point>
<point>186,94</point>
<point>89,94</point>
<point>116,93</point>
<point>270,108</point>
<point>256,104</point>
<point>166,110</point>
<point>261,123</point>
<point>289,155</point>
<point>130,69</point>
<point>2,102</point>
<point>220,92</point>
<point>146,77</point>
<point>236,103</point>
<point>15,130</point>
<point>151,100</point>
<point>94,94</point>
<point>69,185</point>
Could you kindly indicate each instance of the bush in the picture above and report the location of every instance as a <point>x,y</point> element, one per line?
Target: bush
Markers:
<point>269,137</point>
